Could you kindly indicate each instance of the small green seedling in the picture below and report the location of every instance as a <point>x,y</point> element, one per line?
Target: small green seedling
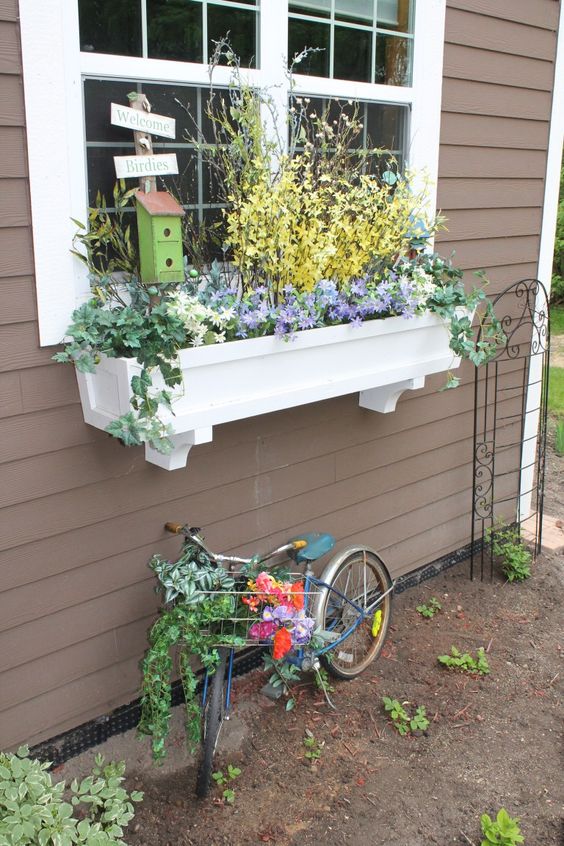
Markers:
<point>429,610</point>
<point>402,720</point>
<point>503,831</point>
<point>507,545</point>
<point>464,663</point>
<point>222,779</point>
<point>313,747</point>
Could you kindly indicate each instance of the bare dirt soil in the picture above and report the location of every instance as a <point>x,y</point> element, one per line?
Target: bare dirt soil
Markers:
<point>492,741</point>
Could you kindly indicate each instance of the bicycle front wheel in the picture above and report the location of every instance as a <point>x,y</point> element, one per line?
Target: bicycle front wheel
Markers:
<point>212,720</point>
<point>358,578</point>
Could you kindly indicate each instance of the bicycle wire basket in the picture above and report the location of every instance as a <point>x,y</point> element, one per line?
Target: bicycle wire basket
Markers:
<point>237,628</point>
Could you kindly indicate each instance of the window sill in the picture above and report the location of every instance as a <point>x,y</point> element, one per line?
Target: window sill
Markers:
<point>381,359</point>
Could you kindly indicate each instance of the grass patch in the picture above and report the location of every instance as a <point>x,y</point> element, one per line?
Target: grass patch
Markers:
<point>557,320</point>
<point>556,391</point>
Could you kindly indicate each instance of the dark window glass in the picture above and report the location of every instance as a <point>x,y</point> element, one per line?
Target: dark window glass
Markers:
<point>241,26</point>
<point>110,26</point>
<point>386,126</point>
<point>175,30</point>
<point>302,34</point>
<point>315,8</point>
<point>353,53</point>
<point>355,11</point>
<point>394,14</point>
<point>393,60</point>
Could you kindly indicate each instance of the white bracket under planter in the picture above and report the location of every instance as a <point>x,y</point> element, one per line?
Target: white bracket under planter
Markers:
<point>239,379</point>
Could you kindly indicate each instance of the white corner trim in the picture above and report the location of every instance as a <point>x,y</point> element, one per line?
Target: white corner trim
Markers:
<point>544,273</point>
<point>553,164</point>
<point>425,128</point>
<point>54,123</point>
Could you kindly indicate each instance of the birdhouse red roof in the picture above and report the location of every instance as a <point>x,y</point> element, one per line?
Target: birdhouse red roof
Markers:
<point>159,203</point>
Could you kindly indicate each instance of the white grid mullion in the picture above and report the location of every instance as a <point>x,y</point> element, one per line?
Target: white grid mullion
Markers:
<point>205,51</point>
<point>332,41</point>
<point>157,70</point>
<point>373,54</point>
<point>346,89</point>
<point>144,29</point>
<point>200,166</point>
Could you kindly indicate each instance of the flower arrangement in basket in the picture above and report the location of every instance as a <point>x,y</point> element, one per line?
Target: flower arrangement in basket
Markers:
<point>282,619</point>
<point>206,607</point>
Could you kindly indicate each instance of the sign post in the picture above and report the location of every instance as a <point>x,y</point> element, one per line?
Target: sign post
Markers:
<point>159,216</point>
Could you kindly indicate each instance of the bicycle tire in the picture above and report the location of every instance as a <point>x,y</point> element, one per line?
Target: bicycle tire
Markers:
<point>361,647</point>
<point>212,720</point>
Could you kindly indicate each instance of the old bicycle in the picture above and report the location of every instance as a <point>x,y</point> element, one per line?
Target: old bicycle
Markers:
<point>350,604</point>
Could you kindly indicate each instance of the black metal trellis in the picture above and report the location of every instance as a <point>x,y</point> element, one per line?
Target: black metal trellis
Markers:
<point>510,422</point>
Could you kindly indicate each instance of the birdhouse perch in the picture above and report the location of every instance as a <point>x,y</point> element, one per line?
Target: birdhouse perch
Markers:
<point>159,223</point>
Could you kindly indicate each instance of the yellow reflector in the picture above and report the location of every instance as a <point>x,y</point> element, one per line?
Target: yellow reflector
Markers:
<point>376,623</point>
<point>299,544</point>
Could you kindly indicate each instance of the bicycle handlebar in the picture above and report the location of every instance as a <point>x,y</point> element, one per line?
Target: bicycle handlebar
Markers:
<point>194,535</point>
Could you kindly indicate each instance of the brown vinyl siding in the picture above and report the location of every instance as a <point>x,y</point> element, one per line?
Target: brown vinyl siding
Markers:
<point>80,515</point>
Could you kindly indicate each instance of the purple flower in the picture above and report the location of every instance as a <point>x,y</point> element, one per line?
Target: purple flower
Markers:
<point>302,629</point>
<point>283,613</point>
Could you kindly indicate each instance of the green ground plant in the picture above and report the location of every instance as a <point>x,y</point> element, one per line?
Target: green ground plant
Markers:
<point>404,721</point>
<point>313,747</point>
<point>225,780</point>
<point>430,609</point>
<point>507,545</point>
<point>464,663</point>
<point>503,831</point>
<point>36,812</point>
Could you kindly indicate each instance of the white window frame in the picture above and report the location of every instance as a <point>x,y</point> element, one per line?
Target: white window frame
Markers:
<point>53,68</point>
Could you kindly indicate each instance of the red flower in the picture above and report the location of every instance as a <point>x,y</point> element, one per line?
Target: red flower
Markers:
<point>282,643</point>
<point>297,591</point>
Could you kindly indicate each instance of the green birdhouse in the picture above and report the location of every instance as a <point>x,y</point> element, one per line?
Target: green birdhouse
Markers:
<point>159,223</point>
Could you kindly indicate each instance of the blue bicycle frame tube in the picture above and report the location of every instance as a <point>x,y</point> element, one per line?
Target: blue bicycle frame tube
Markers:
<point>229,681</point>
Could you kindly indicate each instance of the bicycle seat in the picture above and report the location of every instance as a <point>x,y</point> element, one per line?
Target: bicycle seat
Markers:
<point>318,543</point>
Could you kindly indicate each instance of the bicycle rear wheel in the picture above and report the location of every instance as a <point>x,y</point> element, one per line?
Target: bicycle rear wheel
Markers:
<point>212,720</point>
<point>361,577</point>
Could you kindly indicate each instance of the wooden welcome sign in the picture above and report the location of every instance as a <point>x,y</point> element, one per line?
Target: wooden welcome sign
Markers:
<point>144,165</point>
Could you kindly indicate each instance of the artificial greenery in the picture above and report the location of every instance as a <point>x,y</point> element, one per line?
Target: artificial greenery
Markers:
<point>503,831</point>
<point>428,610</point>
<point>189,624</point>
<point>508,546</point>
<point>317,234</point>
<point>464,663</point>
<point>37,812</point>
<point>404,721</point>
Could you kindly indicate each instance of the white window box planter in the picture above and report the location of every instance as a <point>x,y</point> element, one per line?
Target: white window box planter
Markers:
<point>239,379</point>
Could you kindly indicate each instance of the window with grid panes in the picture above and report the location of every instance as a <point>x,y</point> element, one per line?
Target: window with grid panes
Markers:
<point>185,30</point>
<point>364,40</point>
<point>384,54</point>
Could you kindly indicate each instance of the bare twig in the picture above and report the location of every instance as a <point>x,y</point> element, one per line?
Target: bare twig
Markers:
<point>459,713</point>
<point>471,842</point>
